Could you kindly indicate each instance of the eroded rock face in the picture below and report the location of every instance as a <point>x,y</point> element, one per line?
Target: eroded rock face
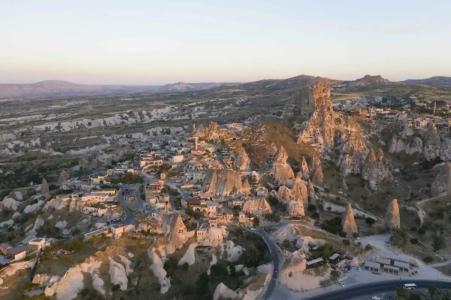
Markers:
<point>296,208</point>
<point>317,176</point>
<point>257,206</point>
<point>242,160</point>
<point>299,190</point>
<point>213,132</point>
<point>374,169</point>
<point>336,135</point>
<point>320,129</point>
<point>226,183</point>
<point>442,182</point>
<point>304,172</point>
<point>281,170</point>
<point>393,220</point>
<point>421,141</point>
<point>349,226</point>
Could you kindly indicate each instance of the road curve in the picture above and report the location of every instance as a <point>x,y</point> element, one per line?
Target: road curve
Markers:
<point>371,289</point>
<point>275,255</point>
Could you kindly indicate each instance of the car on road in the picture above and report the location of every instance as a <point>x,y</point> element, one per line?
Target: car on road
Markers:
<point>410,286</point>
<point>376,298</point>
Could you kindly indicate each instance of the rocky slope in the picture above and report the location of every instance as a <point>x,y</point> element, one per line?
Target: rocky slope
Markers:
<point>281,170</point>
<point>226,183</point>
<point>339,137</point>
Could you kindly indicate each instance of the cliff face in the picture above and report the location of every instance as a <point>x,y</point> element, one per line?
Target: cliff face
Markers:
<point>339,136</point>
<point>281,170</point>
<point>296,208</point>
<point>226,183</point>
<point>304,171</point>
<point>242,161</point>
<point>299,192</point>
<point>426,142</point>
<point>349,226</point>
<point>393,220</point>
<point>213,132</point>
<point>320,128</point>
<point>442,182</point>
<point>257,206</point>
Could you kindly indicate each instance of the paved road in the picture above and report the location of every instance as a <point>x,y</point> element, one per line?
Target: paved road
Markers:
<point>376,288</point>
<point>276,259</point>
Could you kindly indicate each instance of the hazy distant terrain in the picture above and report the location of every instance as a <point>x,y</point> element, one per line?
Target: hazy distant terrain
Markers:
<point>439,81</point>
<point>58,88</point>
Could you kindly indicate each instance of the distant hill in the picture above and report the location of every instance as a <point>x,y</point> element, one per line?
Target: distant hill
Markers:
<point>438,81</point>
<point>58,88</point>
<point>366,81</point>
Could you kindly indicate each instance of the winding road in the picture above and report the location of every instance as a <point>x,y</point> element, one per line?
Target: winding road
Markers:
<point>276,256</point>
<point>374,288</point>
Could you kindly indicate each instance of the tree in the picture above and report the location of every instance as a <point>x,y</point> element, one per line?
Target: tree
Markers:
<point>369,221</point>
<point>202,284</point>
<point>438,242</point>
<point>256,221</point>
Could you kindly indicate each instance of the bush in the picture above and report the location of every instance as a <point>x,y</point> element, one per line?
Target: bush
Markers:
<point>369,221</point>
<point>438,242</point>
<point>202,288</point>
<point>333,225</point>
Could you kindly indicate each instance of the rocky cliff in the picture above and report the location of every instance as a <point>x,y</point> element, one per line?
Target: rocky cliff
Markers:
<point>213,132</point>
<point>242,161</point>
<point>339,138</point>
<point>226,183</point>
<point>442,182</point>
<point>317,106</point>
<point>258,206</point>
<point>281,170</point>
<point>349,226</point>
<point>393,220</point>
<point>427,142</point>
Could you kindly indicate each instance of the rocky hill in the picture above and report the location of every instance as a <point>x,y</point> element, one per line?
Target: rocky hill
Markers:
<point>438,81</point>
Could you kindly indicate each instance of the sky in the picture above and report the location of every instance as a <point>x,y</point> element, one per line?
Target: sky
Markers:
<point>155,42</point>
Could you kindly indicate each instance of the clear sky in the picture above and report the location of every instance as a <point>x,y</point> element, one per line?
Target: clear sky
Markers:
<point>152,42</point>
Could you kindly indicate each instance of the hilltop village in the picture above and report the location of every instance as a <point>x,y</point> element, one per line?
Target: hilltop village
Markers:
<point>241,210</point>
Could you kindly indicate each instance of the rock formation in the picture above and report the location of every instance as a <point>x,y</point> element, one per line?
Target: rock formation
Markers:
<point>393,220</point>
<point>174,231</point>
<point>320,128</point>
<point>374,170</point>
<point>242,161</point>
<point>349,226</point>
<point>426,142</point>
<point>44,187</point>
<point>226,183</point>
<point>299,190</point>
<point>296,208</point>
<point>338,137</point>
<point>317,172</point>
<point>213,132</point>
<point>304,172</point>
<point>281,170</point>
<point>257,206</point>
<point>442,182</point>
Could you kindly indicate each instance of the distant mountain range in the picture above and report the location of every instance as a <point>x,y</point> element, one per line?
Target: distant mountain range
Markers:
<point>438,81</point>
<point>57,88</point>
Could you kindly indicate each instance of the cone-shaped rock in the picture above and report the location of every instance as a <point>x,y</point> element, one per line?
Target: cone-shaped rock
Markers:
<point>44,187</point>
<point>349,226</point>
<point>281,170</point>
<point>393,220</point>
